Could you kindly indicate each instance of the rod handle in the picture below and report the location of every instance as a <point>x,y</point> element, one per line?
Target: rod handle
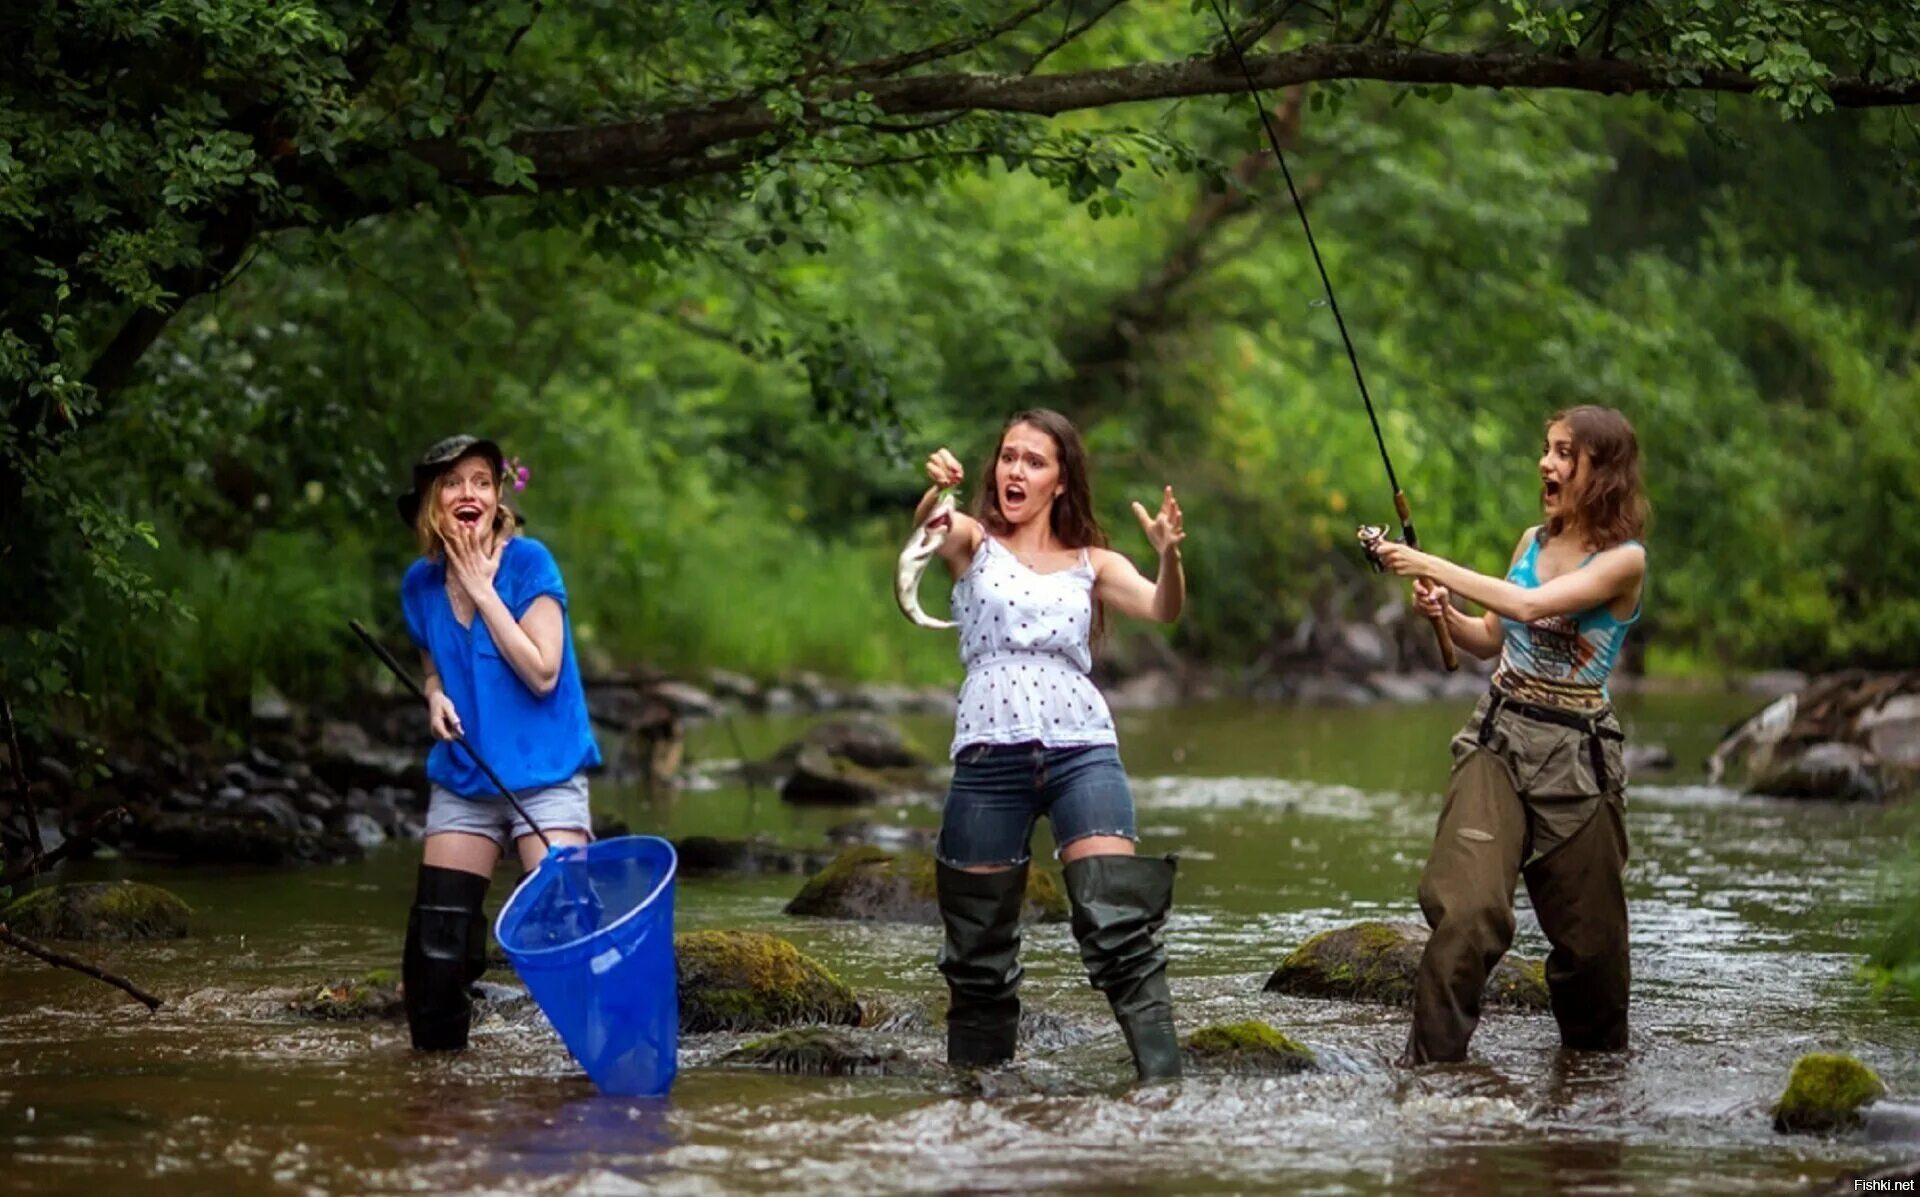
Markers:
<point>1449,656</point>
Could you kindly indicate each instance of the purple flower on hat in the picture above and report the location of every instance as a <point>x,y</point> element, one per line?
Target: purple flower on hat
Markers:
<point>517,473</point>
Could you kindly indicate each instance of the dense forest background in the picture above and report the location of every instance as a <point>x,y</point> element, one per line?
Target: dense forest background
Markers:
<point>227,352</point>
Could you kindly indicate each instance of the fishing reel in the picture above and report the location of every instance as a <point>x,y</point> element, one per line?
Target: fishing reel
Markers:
<point>1372,536</point>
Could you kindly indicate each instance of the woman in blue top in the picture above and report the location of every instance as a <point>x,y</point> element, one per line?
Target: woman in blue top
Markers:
<point>1539,786</point>
<point>488,611</point>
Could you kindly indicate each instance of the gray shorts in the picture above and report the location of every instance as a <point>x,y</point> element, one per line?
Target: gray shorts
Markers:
<point>556,808</point>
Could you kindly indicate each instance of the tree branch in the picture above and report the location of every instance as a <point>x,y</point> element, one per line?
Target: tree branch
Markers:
<point>675,145</point>
<point>1069,34</point>
<point>62,960</point>
<point>883,67</point>
<point>479,94</point>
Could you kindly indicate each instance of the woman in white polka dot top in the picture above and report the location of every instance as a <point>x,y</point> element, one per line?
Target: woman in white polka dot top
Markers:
<point>1033,737</point>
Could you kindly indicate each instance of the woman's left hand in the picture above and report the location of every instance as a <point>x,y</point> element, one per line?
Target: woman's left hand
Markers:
<point>472,563</point>
<point>1164,531</point>
<point>1397,558</point>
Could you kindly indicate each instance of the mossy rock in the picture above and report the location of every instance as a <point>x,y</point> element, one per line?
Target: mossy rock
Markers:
<point>376,995</point>
<point>873,885</point>
<point>1247,1047</point>
<point>746,981</point>
<point>1826,1093</point>
<point>1377,962</point>
<point>99,910</point>
<point>820,1051</point>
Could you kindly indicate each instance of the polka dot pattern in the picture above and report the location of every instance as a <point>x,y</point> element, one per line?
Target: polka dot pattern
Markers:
<point>1025,640</point>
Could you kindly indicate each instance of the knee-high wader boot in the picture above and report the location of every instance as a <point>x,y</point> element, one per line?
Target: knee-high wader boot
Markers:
<point>1119,905</point>
<point>981,961</point>
<point>446,951</point>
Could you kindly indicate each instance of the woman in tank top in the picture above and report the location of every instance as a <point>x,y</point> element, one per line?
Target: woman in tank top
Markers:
<point>1539,786</point>
<point>1033,737</point>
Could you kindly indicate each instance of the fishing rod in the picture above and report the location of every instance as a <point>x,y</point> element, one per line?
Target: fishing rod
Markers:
<point>405,679</point>
<point>1370,535</point>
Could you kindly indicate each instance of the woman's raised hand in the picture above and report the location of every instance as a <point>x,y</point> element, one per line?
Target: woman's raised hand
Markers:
<point>471,561</point>
<point>944,469</point>
<point>1165,530</point>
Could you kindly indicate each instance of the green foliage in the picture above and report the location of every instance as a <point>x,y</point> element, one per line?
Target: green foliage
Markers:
<point>726,365</point>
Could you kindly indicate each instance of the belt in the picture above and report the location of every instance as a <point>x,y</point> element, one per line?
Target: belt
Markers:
<point>1590,724</point>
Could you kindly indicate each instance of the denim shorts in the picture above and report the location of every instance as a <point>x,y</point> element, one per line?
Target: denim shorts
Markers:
<point>1000,790</point>
<point>555,808</point>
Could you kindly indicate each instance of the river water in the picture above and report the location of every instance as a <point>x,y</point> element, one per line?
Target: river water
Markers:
<point>1749,918</point>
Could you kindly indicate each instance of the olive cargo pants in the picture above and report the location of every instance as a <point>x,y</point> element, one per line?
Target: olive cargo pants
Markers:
<point>1546,801</point>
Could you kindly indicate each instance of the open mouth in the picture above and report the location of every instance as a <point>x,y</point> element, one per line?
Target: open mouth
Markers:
<point>1014,494</point>
<point>467,515</point>
<point>1549,490</point>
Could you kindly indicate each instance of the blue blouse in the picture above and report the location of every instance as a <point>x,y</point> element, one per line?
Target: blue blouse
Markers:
<point>530,741</point>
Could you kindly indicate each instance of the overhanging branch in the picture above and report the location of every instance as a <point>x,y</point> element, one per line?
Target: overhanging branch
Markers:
<point>676,145</point>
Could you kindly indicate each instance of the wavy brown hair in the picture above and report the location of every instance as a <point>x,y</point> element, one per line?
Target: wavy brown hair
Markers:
<point>1612,505</point>
<point>1071,517</point>
<point>426,528</point>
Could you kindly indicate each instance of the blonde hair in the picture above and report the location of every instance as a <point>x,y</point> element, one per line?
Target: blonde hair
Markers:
<point>426,528</point>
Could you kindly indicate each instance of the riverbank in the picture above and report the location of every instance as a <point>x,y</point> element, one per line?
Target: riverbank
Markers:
<point>306,784</point>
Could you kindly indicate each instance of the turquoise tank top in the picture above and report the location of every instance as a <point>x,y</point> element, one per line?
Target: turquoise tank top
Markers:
<point>1576,650</point>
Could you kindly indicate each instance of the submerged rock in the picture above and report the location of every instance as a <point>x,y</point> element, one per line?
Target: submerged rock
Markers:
<point>820,1051</point>
<point>376,995</point>
<point>872,884</point>
<point>747,981</point>
<point>1826,1093</point>
<point>99,910</point>
<point>1377,962</point>
<point>1246,1047</point>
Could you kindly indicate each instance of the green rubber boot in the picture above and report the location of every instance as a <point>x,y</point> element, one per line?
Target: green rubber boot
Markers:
<point>981,961</point>
<point>1119,905</point>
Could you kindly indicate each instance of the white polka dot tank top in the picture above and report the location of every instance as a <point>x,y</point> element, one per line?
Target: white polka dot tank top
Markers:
<point>1025,640</point>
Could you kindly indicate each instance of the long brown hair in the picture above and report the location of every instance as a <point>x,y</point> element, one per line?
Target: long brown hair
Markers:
<point>1612,506</point>
<point>426,528</point>
<point>1071,518</point>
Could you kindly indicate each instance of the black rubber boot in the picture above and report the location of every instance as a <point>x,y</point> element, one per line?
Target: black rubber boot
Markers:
<point>981,961</point>
<point>446,951</point>
<point>1119,905</point>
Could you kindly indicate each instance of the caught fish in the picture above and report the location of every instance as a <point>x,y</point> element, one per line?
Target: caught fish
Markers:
<point>920,550</point>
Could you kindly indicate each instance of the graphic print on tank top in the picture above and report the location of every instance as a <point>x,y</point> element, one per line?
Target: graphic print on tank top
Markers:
<point>1579,649</point>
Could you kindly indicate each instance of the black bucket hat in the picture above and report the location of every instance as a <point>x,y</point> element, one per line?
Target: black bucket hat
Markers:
<point>437,461</point>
